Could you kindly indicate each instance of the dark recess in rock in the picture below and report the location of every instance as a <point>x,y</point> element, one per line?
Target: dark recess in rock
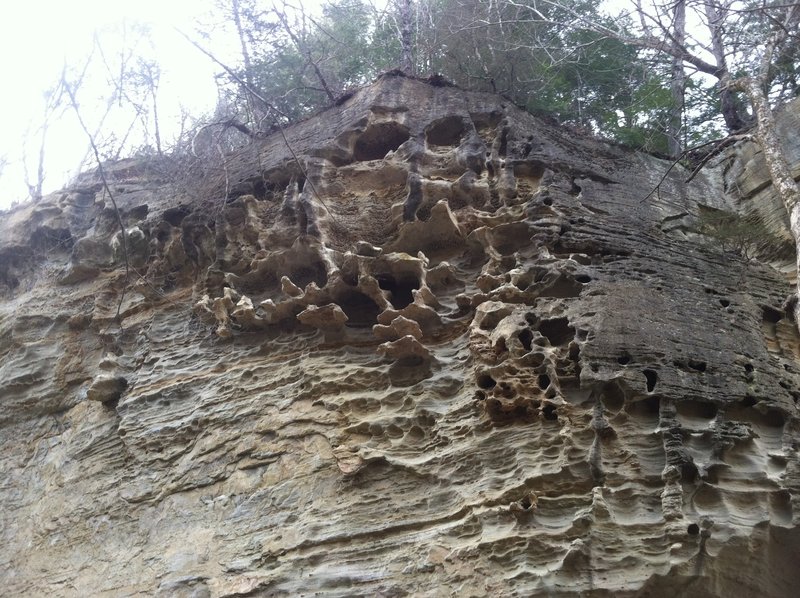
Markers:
<point>558,331</point>
<point>400,289</point>
<point>526,338</point>
<point>486,382</point>
<point>361,311</point>
<point>378,140</point>
<point>651,377</point>
<point>447,131</point>
<point>544,381</point>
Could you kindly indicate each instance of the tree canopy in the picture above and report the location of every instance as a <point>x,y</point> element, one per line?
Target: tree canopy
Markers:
<point>657,75</point>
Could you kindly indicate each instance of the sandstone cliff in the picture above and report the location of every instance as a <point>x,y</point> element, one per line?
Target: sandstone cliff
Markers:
<point>459,352</point>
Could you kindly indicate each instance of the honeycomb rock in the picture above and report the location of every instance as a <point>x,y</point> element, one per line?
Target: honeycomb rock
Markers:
<point>448,349</point>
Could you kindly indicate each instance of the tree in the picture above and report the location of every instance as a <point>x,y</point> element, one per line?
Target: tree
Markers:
<point>750,47</point>
<point>677,81</point>
<point>52,108</point>
<point>574,75</point>
<point>301,62</point>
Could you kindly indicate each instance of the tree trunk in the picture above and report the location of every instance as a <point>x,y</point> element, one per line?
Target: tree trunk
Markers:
<point>237,19</point>
<point>779,169</point>
<point>407,35</point>
<point>156,122</point>
<point>677,82</point>
<point>729,106</point>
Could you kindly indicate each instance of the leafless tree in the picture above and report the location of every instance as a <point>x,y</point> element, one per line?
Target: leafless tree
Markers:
<point>406,10</point>
<point>52,108</point>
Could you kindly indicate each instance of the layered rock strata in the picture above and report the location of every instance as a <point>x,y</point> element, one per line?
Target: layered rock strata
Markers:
<point>432,346</point>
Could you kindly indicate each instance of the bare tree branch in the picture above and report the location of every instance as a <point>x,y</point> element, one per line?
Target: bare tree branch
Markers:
<point>102,172</point>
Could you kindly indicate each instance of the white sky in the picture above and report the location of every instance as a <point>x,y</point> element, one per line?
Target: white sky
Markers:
<point>37,36</point>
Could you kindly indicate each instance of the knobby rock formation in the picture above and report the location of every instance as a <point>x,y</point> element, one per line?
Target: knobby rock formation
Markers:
<point>450,350</point>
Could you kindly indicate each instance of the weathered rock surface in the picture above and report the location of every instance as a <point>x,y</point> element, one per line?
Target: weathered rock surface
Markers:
<point>458,353</point>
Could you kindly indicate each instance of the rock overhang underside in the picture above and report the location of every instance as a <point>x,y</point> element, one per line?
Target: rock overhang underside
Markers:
<point>436,348</point>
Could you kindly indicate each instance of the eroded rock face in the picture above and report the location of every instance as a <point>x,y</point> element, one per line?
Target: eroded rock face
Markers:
<point>458,353</point>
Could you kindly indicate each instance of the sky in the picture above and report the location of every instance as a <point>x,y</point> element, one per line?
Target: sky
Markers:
<point>38,36</point>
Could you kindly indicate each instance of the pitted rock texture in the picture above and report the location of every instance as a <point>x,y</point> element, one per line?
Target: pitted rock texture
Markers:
<point>452,351</point>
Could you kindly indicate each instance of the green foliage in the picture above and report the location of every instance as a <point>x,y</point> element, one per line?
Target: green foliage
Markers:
<point>577,77</point>
<point>347,46</point>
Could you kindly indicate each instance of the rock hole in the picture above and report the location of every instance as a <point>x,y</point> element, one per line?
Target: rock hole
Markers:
<point>696,409</point>
<point>557,331</point>
<point>526,338</point>
<point>749,401</point>
<point>260,189</point>
<point>613,398</point>
<point>526,503</point>
<point>583,278</point>
<point>649,407</point>
<point>361,311</point>
<point>547,201</point>
<point>582,259</point>
<point>378,140</point>
<point>693,529</point>
<point>400,290</point>
<point>162,235</point>
<point>139,212</point>
<point>486,382</point>
<point>651,377</point>
<point>174,216</point>
<point>698,366</point>
<point>770,315</point>
<point>314,272</point>
<point>724,302</point>
<point>774,419</point>
<point>544,381</point>
<point>446,131</point>
<point>549,412</point>
<point>624,359</point>
<point>748,367</point>
<point>575,353</point>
